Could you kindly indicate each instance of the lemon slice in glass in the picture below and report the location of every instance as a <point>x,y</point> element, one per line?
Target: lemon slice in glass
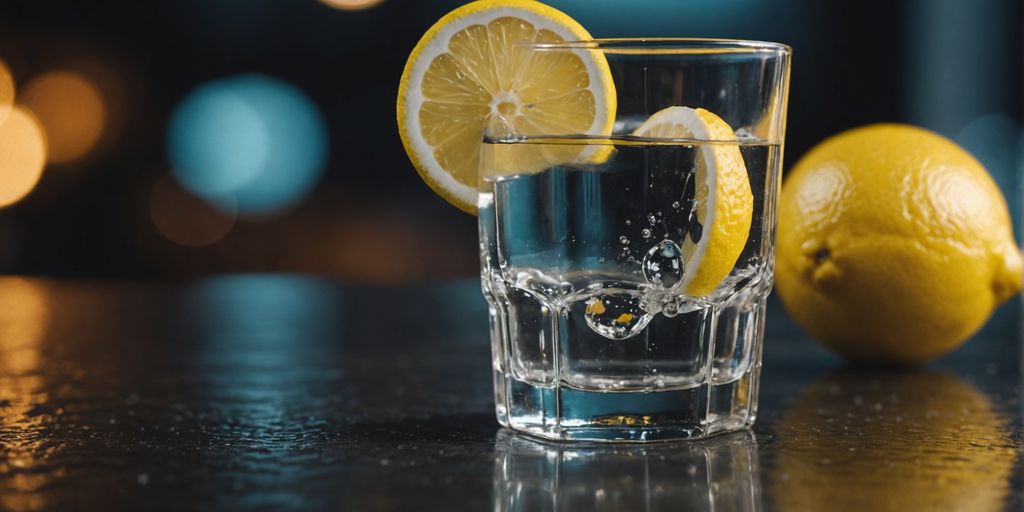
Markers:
<point>474,66</point>
<point>723,200</point>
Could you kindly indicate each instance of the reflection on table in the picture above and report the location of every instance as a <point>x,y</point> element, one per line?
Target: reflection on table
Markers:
<point>715,474</point>
<point>865,440</point>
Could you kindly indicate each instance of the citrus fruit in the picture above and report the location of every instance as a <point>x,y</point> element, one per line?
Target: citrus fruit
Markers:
<point>473,66</point>
<point>894,244</point>
<point>723,201</point>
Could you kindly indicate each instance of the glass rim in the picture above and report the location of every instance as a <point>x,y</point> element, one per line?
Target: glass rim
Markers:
<point>667,46</point>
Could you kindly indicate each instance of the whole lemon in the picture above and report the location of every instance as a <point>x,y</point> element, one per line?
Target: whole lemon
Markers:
<point>894,244</point>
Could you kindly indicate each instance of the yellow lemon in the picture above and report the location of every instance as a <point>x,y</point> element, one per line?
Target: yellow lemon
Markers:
<point>473,66</point>
<point>724,202</point>
<point>894,244</point>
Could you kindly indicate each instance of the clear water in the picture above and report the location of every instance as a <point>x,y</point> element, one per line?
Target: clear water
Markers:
<point>592,336</point>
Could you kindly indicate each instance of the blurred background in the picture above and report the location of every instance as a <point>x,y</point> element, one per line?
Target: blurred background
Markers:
<point>172,140</point>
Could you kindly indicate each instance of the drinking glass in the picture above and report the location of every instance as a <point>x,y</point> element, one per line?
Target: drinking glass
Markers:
<point>595,335</point>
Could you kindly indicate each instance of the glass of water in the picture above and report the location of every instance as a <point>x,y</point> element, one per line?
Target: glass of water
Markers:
<point>627,273</point>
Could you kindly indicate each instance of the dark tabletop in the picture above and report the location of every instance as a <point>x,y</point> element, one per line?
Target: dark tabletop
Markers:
<point>286,392</point>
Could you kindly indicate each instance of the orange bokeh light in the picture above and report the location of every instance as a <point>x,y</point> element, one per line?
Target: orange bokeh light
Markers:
<point>352,5</point>
<point>71,110</point>
<point>22,156</point>
<point>186,219</point>
<point>6,91</point>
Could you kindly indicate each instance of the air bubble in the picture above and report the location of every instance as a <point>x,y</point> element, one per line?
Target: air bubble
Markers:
<point>616,316</point>
<point>676,205</point>
<point>672,305</point>
<point>670,308</point>
<point>663,264</point>
<point>646,233</point>
<point>623,240</point>
<point>652,219</point>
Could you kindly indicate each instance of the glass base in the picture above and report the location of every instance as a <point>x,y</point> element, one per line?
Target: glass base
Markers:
<point>564,413</point>
<point>690,376</point>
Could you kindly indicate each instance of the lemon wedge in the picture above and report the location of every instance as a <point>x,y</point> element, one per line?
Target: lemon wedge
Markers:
<point>473,66</point>
<point>724,204</point>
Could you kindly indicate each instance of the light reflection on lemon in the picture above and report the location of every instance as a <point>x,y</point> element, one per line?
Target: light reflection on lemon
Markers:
<point>899,440</point>
<point>71,110</point>
<point>24,314</point>
<point>22,156</point>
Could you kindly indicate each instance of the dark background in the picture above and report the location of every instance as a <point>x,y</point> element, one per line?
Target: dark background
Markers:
<point>950,65</point>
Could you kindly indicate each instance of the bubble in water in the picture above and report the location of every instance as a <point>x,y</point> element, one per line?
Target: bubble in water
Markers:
<point>672,305</point>
<point>623,240</point>
<point>628,222</point>
<point>616,316</point>
<point>670,308</point>
<point>663,264</point>
<point>646,233</point>
<point>652,219</point>
<point>676,205</point>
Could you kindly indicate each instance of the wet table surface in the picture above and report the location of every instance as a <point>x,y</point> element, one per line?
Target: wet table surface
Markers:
<point>281,392</point>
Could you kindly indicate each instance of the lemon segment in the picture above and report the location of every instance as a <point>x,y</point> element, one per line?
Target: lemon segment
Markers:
<point>723,200</point>
<point>474,66</point>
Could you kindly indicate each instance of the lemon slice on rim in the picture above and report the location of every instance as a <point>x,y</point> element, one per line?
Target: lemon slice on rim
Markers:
<point>724,204</point>
<point>473,66</point>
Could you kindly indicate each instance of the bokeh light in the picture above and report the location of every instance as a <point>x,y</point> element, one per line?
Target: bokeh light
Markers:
<point>248,141</point>
<point>22,155</point>
<point>6,91</point>
<point>71,110</point>
<point>672,18</point>
<point>994,140</point>
<point>352,5</point>
<point>186,219</point>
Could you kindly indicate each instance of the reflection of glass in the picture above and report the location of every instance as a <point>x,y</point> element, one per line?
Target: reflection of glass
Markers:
<point>714,474</point>
<point>606,325</point>
<point>911,440</point>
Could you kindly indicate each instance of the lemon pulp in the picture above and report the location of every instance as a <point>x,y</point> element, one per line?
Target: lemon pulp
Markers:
<point>474,65</point>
